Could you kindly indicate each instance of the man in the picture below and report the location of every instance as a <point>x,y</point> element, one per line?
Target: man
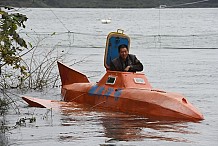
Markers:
<point>125,62</point>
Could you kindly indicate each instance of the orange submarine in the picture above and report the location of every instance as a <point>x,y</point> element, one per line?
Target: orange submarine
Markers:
<point>126,92</point>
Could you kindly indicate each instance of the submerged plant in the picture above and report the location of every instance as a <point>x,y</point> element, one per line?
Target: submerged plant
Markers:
<point>23,121</point>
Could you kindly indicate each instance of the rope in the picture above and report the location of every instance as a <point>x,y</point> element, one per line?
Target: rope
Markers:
<point>184,4</point>
<point>60,33</point>
<point>133,35</point>
<point>97,104</point>
<point>59,20</point>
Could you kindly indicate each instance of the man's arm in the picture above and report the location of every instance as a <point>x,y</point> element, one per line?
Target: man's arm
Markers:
<point>136,65</point>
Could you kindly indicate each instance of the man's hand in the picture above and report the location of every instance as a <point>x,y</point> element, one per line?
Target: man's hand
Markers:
<point>127,68</point>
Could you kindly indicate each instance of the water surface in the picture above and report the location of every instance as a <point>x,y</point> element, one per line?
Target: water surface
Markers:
<point>178,50</point>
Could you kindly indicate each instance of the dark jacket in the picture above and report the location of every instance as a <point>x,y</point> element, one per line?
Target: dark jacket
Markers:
<point>118,64</point>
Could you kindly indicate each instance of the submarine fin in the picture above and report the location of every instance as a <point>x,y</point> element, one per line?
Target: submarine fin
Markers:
<point>70,76</point>
<point>43,103</point>
<point>36,102</point>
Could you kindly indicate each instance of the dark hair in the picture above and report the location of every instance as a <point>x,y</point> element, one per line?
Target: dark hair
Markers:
<point>122,46</point>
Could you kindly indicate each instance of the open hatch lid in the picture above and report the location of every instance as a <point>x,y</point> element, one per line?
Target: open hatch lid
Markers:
<point>114,39</point>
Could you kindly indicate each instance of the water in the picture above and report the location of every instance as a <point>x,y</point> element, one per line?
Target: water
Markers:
<point>177,48</point>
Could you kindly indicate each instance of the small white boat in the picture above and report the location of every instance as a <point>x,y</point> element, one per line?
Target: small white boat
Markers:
<point>106,21</point>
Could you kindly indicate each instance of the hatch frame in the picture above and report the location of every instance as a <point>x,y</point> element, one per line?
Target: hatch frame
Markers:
<point>112,52</point>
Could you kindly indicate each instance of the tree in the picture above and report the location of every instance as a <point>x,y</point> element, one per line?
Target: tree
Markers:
<point>11,44</point>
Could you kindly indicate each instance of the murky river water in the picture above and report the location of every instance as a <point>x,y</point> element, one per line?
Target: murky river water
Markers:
<point>178,48</point>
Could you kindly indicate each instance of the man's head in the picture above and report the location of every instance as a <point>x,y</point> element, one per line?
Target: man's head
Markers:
<point>123,51</point>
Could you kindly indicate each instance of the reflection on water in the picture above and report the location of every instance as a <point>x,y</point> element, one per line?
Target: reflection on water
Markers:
<point>133,128</point>
<point>122,127</point>
<point>3,139</point>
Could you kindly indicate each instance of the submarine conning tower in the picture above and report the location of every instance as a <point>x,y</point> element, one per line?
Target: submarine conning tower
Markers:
<point>117,79</point>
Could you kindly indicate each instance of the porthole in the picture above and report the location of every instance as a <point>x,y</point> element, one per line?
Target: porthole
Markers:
<point>111,80</point>
<point>139,80</point>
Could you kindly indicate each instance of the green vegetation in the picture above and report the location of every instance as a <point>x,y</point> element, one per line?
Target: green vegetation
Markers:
<point>11,43</point>
<point>108,4</point>
<point>16,72</point>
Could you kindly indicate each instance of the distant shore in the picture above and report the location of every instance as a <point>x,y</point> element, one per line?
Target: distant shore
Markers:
<point>111,3</point>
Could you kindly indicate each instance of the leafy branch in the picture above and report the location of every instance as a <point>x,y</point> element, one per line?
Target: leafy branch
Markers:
<point>11,44</point>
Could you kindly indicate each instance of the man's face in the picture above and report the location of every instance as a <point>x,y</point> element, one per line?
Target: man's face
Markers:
<point>123,53</point>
